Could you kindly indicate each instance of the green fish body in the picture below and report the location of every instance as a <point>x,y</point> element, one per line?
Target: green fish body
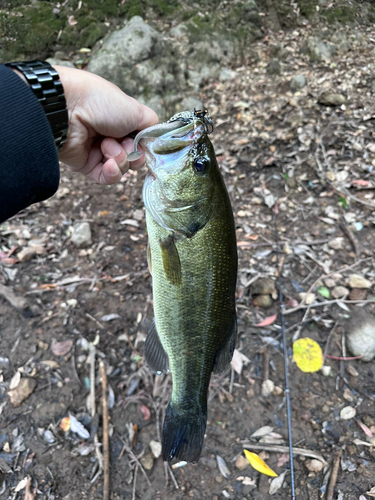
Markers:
<point>192,256</point>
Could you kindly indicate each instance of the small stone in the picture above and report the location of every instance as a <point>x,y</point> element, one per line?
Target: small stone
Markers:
<point>309,297</point>
<point>330,283</point>
<point>286,249</point>
<point>358,294</point>
<point>348,413</point>
<point>138,215</point>
<point>326,370</point>
<point>155,448</point>
<point>241,462</point>
<point>147,461</point>
<point>339,291</point>
<point>81,236</point>
<point>263,286</point>
<point>219,479</point>
<point>348,395</point>
<point>274,67</point>
<point>358,281</point>
<point>255,200</point>
<point>314,465</point>
<point>331,99</point>
<point>267,388</point>
<point>264,301</point>
<point>352,371</point>
<point>23,390</point>
<point>360,334</point>
<point>298,82</point>
<point>278,391</point>
<point>26,254</point>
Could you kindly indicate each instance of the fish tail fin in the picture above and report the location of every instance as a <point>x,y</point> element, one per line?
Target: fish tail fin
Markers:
<point>183,433</point>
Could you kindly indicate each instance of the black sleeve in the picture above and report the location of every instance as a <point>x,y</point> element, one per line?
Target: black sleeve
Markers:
<point>29,167</point>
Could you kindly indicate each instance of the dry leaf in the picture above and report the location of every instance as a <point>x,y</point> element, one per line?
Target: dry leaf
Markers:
<point>15,381</point>
<point>258,464</point>
<point>77,427</point>
<point>145,412</point>
<point>62,348</point>
<point>308,355</point>
<point>277,483</point>
<point>238,360</point>
<point>371,493</point>
<point>23,390</point>
<point>262,431</point>
<point>268,321</point>
<point>365,429</point>
<point>223,468</point>
<point>65,424</point>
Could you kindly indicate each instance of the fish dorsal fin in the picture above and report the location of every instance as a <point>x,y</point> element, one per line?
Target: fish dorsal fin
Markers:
<point>171,260</point>
<point>224,356</point>
<point>155,354</point>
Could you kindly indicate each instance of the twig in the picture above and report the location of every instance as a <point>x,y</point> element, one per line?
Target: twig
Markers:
<point>105,432</point>
<point>95,321</point>
<point>358,248</point>
<point>172,476</point>
<point>284,449</point>
<point>99,456</point>
<point>266,363</point>
<point>135,479</point>
<point>327,303</point>
<point>329,338</point>
<point>337,358</point>
<point>333,480</point>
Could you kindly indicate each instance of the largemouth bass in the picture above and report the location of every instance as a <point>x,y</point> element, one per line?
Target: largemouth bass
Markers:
<point>192,257</point>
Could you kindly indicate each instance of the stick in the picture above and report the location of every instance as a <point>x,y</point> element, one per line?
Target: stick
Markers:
<point>105,433</point>
<point>99,456</point>
<point>284,449</point>
<point>333,480</point>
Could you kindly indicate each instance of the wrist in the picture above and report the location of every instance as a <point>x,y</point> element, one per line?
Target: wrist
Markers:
<point>44,81</point>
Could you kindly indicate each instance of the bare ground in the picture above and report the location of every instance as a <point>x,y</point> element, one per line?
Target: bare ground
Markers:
<point>317,161</point>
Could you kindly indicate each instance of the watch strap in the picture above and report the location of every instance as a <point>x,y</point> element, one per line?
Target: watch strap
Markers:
<point>45,82</point>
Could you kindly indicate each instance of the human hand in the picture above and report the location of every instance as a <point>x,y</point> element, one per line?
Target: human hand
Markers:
<point>100,118</point>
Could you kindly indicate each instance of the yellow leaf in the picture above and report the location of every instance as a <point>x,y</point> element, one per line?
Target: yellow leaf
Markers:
<point>308,355</point>
<point>258,464</point>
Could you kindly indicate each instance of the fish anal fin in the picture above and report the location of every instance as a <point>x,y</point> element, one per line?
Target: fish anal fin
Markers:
<point>171,260</point>
<point>155,354</point>
<point>225,354</point>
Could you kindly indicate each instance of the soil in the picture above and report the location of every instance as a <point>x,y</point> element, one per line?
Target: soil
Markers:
<point>317,161</point>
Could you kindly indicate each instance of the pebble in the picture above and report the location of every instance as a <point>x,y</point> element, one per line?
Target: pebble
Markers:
<point>267,388</point>
<point>23,390</point>
<point>330,283</point>
<point>298,82</point>
<point>26,254</point>
<point>309,297</point>
<point>348,395</point>
<point>326,370</point>
<point>314,465</point>
<point>155,448</point>
<point>81,236</point>
<point>358,294</point>
<point>331,99</point>
<point>360,335</point>
<point>348,413</point>
<point>339,291</point>
<point>241,462</point>
<point>263,286</point>
<point>147,461</point>
<point>264,301</point>
<point>352,371</point>
<point>358,281</point>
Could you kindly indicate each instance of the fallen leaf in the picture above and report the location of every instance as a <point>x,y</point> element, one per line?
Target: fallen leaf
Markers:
<point>65,424</point>
<point>262,431</point>
<point>238,360</point>
<point>277,483</point>
<point>62,348</point>
<point>110,317</point>
<point>268,321</point>
<point>223,468</point>
<point>361,182</point>
<point>324,292</point>
<point>145,412</point>
<point>23,390</point>
<point>308,355</point>
<point>258,464</point>
<point>371,493</point>
<point>15,380</point>
<point>365,429</point>
<point>77,427</point>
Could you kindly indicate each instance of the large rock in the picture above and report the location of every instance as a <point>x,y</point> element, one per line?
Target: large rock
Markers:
<point>161,70</point>
<point>360,334</point>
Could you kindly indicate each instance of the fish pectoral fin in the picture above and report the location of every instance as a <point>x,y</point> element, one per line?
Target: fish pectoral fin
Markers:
<point>149,261</point>
<point>155,354</point>
<point>171,260</point>
<point>225,354</point>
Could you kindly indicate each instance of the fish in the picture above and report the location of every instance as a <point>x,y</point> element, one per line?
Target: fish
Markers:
<point>192,257</point>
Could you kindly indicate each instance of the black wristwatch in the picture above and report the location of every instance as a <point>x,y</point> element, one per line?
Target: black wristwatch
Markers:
<point>44,81</point>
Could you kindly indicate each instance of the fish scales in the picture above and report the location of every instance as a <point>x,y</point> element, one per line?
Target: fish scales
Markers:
<point>193,259</point>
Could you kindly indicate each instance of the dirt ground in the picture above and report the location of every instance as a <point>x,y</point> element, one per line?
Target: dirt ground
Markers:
<point>316,161</point>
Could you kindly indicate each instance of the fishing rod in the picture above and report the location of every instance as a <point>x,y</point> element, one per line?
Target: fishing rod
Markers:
<point>287,390</point>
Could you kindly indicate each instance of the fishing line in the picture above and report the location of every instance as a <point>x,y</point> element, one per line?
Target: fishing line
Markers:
<point>287,391</point>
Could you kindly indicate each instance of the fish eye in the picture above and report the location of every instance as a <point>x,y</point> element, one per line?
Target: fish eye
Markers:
<point>201,165</point>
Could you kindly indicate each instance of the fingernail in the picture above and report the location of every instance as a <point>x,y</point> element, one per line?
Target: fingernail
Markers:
<point>128,145</point>
<point>112,148</point>
<point>113,169</point>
